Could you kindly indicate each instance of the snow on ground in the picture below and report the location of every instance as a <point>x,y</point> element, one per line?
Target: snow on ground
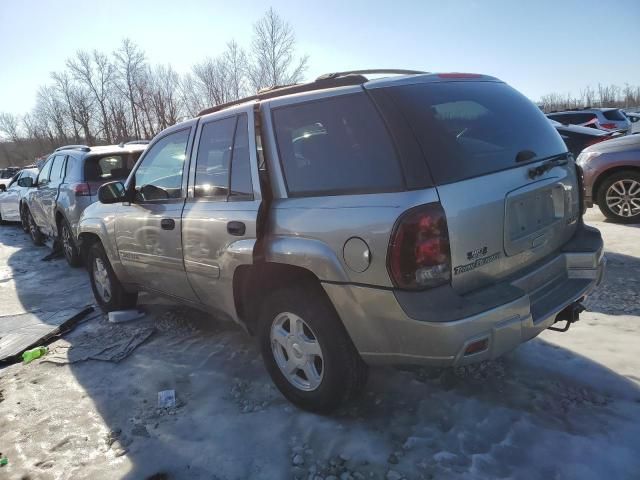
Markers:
<point>563,406</point>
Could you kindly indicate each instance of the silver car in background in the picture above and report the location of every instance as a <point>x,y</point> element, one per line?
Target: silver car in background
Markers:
<point>10,199</point>
<point>430,219</point>
<point>67,184</point>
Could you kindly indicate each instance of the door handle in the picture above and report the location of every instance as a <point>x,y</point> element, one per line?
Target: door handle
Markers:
<point>236,228</point>
<point>168,223</point>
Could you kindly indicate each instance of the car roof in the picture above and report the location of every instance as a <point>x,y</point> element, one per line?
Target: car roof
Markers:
<point>332,81</point>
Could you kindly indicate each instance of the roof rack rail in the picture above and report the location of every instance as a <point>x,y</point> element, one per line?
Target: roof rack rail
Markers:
<point>374,71</point>
<point>84,148</point>
<point>134,142</point>
<point>280,90</point>
<point>328,80</point>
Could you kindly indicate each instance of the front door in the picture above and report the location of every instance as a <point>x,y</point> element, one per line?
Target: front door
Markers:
<point>35,203</point>
<point>220,214</point>
<point>148,229</point>
<point>48,195</point>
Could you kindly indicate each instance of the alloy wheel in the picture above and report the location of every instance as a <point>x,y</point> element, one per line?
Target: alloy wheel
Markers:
<point>297,352</point>
<point>623,198</point>
<point>66,242</point>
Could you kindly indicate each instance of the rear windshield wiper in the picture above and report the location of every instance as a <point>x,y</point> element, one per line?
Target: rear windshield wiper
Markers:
<point>554,161</point>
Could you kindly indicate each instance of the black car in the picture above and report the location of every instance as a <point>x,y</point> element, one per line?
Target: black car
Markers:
<point>578,138</point>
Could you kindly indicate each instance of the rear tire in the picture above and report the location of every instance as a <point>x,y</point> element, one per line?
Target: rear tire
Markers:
<point>291,353</point>
<point>107,289</point>
<point>34,232</point>
<point>619,197</point>
<point>2,222</point>
<point>68,244</point>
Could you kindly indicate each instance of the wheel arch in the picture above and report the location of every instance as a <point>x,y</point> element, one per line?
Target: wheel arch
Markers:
<point>253,283</point>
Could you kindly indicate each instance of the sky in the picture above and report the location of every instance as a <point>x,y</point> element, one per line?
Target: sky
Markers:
<point>537,47</point>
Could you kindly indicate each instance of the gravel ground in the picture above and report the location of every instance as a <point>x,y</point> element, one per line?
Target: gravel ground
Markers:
<point>563,406</point>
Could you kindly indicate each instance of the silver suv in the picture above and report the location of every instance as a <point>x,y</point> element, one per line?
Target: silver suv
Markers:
<point>600,118</point>
<point>352,222</point>
<point>68,183</point>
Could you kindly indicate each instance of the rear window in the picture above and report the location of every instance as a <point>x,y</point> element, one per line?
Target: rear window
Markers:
<point>572,118</point>
<point>468,129</point>
<point>615,115</point>
<point>105,168</point>
<point>334,146</point>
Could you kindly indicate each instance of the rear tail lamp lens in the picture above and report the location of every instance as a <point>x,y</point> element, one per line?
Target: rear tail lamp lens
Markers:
<point>82,190</point>
<point>419,256</point>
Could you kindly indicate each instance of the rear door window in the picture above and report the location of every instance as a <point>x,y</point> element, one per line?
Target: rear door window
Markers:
<point>43,176</point>
<point>467,129</point>
<point>57,169</point>
<point>614,115</point>
<point>337,145</point>
<point>213,159</point>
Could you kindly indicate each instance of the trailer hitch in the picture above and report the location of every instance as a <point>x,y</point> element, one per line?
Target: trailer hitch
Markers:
<point>570,314</point>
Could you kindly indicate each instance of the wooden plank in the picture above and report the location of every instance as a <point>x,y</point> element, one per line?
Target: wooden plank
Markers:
<point>27,330</point>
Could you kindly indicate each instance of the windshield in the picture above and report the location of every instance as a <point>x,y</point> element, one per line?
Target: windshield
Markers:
<point>469,129</point>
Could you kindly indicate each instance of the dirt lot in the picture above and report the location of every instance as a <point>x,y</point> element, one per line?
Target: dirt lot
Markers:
<point>563,406</point>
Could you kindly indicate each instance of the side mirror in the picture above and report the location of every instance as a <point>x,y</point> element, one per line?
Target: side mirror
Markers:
<point>112,192</point>
<point>25,182</point>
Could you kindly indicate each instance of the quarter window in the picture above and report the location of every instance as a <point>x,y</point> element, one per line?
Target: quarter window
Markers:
<point>159,176</point>
<point>337,145</point>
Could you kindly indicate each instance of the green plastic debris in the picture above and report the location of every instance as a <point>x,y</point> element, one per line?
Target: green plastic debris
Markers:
<point>3,461</point>
<point>34,353</point>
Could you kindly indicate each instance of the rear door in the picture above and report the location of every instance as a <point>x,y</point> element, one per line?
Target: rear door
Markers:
<point>148,230</point>
<point>220,214</point>
<point>483,142</point>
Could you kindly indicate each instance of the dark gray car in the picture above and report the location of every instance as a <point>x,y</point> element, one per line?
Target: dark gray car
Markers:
<point>429,219</point>
<point>67,184</point>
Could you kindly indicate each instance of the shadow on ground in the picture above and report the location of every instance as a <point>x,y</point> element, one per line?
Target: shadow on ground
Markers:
<point>540,412</point>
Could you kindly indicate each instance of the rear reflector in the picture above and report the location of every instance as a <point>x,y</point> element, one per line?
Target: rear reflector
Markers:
<point>476,347</point>
<point>82,189</point>
<point>419,255</point>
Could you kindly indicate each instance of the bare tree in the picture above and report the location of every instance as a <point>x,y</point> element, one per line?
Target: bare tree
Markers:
<point>131,65</point>
<point>10,126</point>
<point>96,72</point>
<point>273,59</point>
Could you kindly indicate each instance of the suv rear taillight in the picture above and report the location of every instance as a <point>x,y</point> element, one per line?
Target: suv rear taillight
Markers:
<point>419,256</point>
<point>608,126</point>
<point>82,189</point>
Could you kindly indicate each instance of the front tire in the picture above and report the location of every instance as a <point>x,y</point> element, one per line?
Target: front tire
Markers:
<point>619,197</point>
<point>107,289</point>
<point>307,350</point>
<point>24,219</point>
<point>68,244</point>
<point>34,232</point>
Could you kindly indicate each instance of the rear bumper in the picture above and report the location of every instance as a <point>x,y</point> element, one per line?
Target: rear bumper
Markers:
<point>435,328</point>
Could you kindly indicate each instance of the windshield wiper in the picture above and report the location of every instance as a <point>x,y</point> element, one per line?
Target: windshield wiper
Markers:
<point>554,161</point>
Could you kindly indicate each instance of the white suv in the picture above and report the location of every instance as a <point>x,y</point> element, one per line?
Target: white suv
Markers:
<point>602,118</point>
